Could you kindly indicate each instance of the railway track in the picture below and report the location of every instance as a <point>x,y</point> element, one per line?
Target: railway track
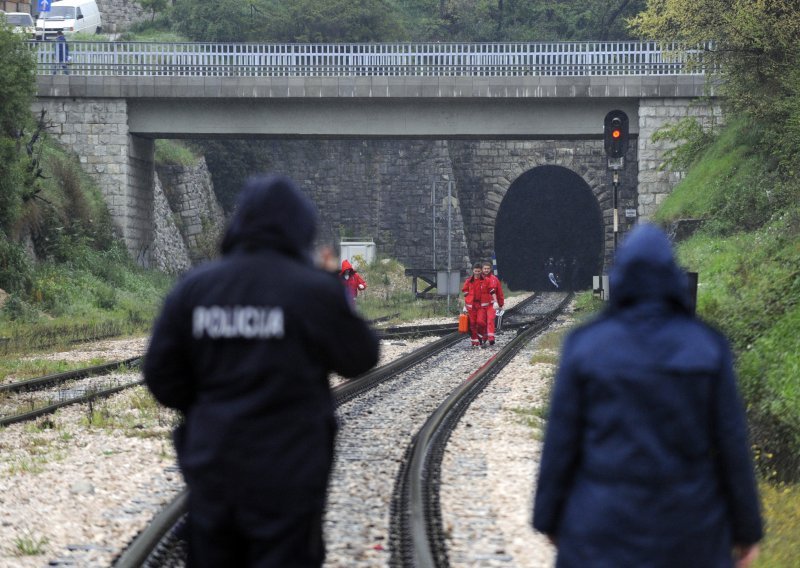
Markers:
<point>14,393</point>
<point>160,543</point>
<point>417,535</point>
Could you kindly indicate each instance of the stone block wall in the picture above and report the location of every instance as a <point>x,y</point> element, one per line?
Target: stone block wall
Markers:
<point>96,130</point>
<point>485,170</point>
<point>384,189</point>
<point>194,207</point>
<point>119,15</point>
<point>170,253</point>
<point>377,188</point>
<point>655,184</point>
<point>139,199</point>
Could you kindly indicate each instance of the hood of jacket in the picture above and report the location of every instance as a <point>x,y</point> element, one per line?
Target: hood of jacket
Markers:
<point>272,213</point>
<point>346,266</point>
<point>645,271</point>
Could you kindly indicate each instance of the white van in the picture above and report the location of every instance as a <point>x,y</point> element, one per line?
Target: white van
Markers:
<point>21,23</point>
<point>69,16</point>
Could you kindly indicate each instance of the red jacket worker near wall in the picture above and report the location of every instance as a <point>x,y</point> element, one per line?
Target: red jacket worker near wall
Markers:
<point>352,279</point>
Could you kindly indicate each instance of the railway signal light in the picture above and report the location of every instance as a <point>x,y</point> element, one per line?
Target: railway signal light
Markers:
<point>615,134</point>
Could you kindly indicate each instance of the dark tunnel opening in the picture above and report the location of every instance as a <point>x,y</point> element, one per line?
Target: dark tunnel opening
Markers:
<point>549,221</point>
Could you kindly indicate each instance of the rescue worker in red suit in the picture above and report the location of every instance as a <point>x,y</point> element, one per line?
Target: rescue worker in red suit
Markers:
<point>352,279</point>
<point>473,292</point>
<point>496,290</point>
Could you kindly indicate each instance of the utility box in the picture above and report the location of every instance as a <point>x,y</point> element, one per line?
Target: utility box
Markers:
<point>364,248</point>
<point>448,283</point>
<point>600,287</point>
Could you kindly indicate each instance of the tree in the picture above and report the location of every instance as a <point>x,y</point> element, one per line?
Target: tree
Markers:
<point>756,49</point>
<point>541,20</point>
<point>155,6</point>
<point>17,89</point>
<point>296,21</point>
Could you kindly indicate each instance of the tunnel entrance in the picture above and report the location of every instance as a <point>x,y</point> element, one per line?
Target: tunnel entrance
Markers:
<point>549,221</point>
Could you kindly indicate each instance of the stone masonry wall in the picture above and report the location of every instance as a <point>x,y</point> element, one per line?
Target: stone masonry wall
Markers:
<point>196,211</point>
<point>139,199</point>
<point>485,170</point>
<point>119,15</point>
<point>383,189</point>
<point>380,189</point>
<point>170,253</point>
<point>654,183</point>
<point>372,188</point>
<point>96,130</point>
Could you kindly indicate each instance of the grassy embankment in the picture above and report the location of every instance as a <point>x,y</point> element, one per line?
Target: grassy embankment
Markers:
<point>748,259</point>
<point>82,285</point>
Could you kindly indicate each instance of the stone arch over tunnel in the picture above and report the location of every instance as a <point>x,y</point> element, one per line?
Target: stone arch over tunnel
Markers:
<point>549,212</point>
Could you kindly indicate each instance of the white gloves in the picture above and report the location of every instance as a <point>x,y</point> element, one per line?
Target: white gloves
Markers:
<point>360,286</point>
<point>496,306</point>
<point>465,310</point>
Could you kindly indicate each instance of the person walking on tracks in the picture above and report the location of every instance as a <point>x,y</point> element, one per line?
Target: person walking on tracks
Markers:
<point>244,355</point>
<point>646,460</point>
<point>495,289</point>
<point>474,290</point>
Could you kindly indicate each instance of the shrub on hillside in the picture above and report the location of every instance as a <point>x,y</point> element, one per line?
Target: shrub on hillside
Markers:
<point>15,270</point>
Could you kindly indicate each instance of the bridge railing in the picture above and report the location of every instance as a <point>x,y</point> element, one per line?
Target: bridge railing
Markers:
<point>374,59</point>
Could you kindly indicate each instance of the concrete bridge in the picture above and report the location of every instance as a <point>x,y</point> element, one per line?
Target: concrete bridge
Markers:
<point>119,97</point>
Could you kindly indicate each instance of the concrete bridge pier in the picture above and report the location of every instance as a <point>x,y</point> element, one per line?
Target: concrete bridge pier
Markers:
<point>120,163</point>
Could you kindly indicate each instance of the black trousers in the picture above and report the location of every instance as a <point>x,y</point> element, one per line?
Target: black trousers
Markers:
<point>279,541</point>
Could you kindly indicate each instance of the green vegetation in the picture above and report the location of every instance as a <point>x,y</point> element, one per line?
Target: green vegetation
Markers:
<point>65,274</point>
<point>29,545</point>
<point>389,294</point>
<point>533,417</point>
<point>747,255</point>
<point>781,503</point>
<point>27,368</point>
<point>174,153</point>
<point>136,414</point>
<point>16,91</point>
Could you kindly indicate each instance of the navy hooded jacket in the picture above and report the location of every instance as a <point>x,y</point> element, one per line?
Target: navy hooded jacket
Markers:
<point>646,461</point>
<point>243,348</point>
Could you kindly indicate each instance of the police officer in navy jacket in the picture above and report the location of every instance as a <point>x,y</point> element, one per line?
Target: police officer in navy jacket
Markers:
<point>243,348</point>
<point>646,461</point>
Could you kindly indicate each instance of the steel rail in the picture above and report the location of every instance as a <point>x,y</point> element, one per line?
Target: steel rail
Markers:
<point>423,330</point>
<point>49,409</point>
<point>420,519</point>
<point>57,378</point>
<point>148,540</point>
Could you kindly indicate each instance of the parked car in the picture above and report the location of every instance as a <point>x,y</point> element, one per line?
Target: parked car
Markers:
<point>22,23</point>
<point>69,16</point>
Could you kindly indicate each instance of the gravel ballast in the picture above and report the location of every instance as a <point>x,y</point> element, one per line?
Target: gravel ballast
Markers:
<point>76,487</point>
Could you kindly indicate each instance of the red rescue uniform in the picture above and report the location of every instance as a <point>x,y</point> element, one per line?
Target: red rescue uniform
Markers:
<point>494,287</point>
<point>474,292</point>
<point>352,280</point>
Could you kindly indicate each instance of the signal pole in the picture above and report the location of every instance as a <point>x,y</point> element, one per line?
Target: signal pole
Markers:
<point>615,143</point>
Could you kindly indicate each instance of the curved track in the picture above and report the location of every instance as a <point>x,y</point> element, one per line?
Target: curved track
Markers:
<point>417,536</point>
<point>160,543</point>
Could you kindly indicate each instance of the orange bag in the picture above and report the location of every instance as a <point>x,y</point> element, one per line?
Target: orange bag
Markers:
<point>463,323</point>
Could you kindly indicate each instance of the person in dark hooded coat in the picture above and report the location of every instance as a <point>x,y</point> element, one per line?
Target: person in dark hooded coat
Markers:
<point>243,348</point>
<point>646,461</point>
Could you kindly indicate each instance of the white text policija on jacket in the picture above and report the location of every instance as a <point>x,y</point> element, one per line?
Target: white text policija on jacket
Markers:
<point>247,322</point>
